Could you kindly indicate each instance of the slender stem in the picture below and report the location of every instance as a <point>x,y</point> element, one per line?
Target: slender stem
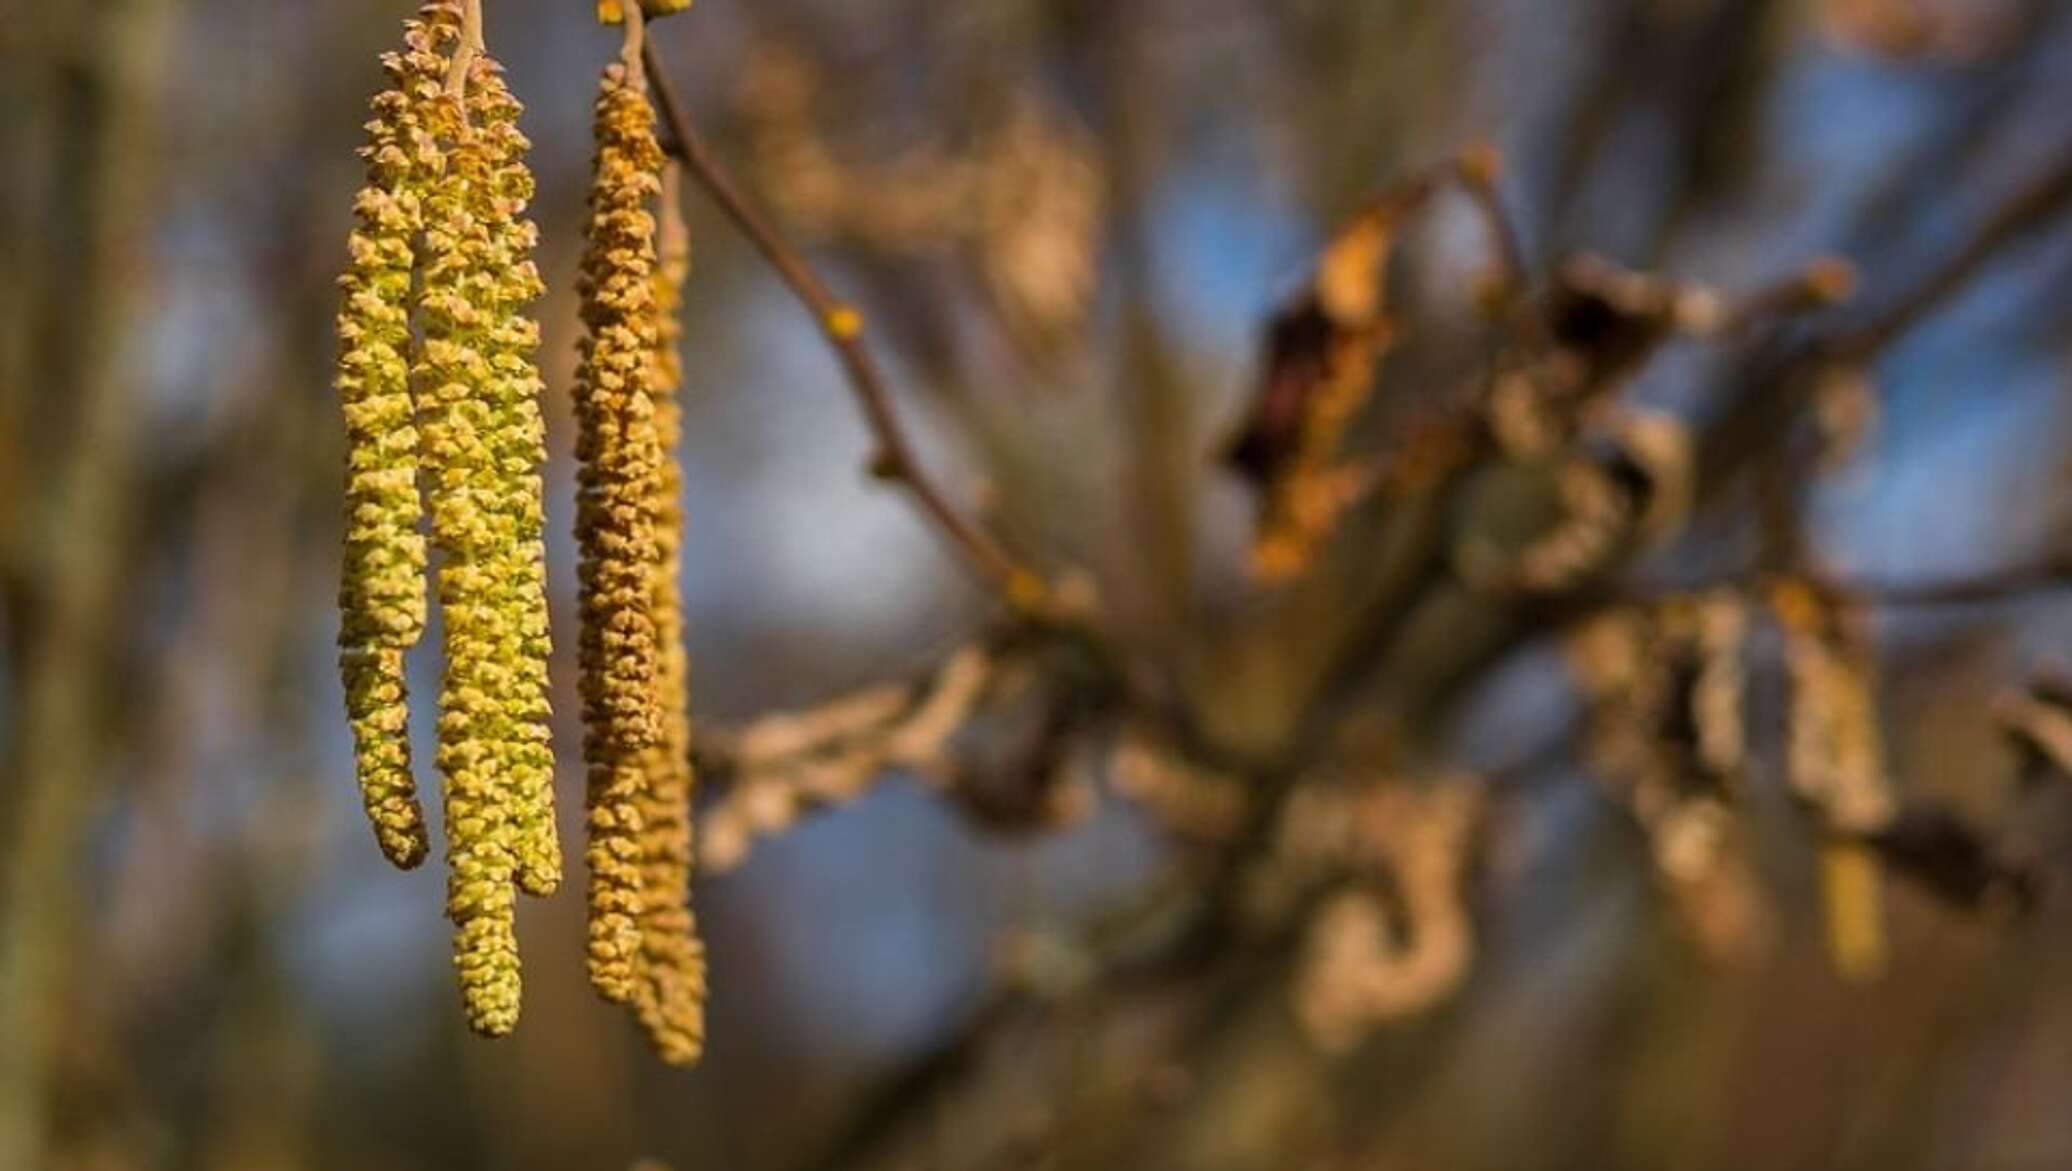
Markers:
<point>842,326</point>
<point>631,50</point>
<point>470,47</point>
<point>1827,281</point>
<point>2045,196</point>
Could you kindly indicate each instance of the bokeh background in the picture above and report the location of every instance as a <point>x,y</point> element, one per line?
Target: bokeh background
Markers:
<point>1067,222</point>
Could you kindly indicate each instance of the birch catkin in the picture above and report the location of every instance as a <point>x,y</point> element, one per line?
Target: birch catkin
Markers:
<point>381,591</point>
<point>620,461</point>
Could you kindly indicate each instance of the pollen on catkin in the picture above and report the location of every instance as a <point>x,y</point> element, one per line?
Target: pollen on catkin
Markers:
<point>619,459</point>
<point>381,589</point>
<point>480,442</point>
<point>670,996</point>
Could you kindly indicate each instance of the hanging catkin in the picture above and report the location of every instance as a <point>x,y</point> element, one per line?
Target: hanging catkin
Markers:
<point>670,998</point>
<point>517,444</point>
<point>480,432</point>
<point>620,461</point>
<point>381,591</point>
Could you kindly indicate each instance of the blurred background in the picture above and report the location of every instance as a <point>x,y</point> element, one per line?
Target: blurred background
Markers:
<point>1068,223</point>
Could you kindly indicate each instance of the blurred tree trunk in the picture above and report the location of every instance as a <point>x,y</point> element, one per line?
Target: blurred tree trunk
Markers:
<point>92,75</point>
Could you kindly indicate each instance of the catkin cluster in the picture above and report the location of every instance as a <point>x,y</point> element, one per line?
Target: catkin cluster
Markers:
<point>643,950</point>
<point>456,413</point>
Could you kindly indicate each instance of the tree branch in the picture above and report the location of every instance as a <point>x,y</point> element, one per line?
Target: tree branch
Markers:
<point>2013,583</point>
<point>842,326</point>
<point>2045,196</point>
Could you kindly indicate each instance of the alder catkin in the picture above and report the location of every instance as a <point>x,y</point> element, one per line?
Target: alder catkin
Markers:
<point>619,460</point>
<point>381,589</point>
<point>670,998</point>
<point>479,422</point>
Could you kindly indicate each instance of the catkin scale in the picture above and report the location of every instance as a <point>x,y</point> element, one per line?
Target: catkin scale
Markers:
<point>620,460</point>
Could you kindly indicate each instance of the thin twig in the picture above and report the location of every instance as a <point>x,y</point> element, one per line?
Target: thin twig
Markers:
<point>2012,584</point>
<point>471,46</point>
<point>842,326</point>
<point>2007,586</point>
<point>1827,281</point>
<point>2032,206</point>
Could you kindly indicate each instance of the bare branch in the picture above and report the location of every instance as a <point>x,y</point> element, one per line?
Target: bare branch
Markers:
<point>842,325</point>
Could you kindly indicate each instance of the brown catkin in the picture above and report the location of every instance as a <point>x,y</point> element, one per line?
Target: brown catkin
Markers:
<point>381,589</point>
<point>619,461</point>
<point>479,421</point>
<point>670,997</point>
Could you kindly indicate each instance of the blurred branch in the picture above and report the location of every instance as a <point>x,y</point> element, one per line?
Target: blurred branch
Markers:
<point>2014,583</point>
<point>1668,88</point>
<point>2045,196</point>
<point>842,325</point>
<point>1159,948</point>
<point>1163,472</point>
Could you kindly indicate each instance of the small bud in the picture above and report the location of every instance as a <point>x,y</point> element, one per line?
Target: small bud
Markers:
<point>1830,280</point>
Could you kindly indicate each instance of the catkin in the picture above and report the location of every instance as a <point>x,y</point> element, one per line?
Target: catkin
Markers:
<point>440,384</point>
<point>619,460</point>
<point>518,446</point>
<point>670,998</point>
<point>479,423</point>
<point>381,590</point>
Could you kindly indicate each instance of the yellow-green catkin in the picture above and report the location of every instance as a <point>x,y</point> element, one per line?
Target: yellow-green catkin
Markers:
<point>619,460</point>
<point>670,998</point>
<point>381,591</point>
<point>479,422</point>
<point>518,445</point>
